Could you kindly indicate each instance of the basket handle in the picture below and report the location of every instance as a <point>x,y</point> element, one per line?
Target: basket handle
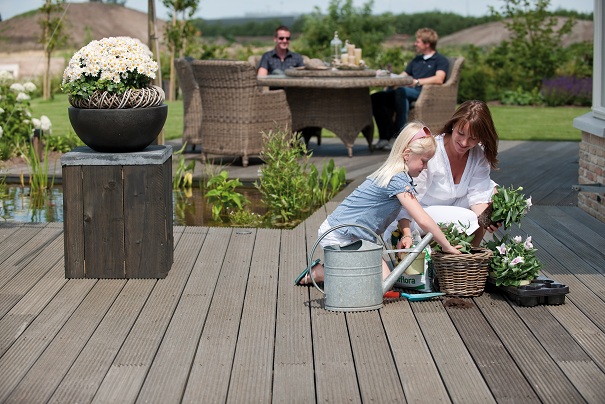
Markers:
<point>338,226</point>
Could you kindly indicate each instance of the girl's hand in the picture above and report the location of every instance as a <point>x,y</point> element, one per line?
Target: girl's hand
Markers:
<point>405,242</point>
<point>451,250</point>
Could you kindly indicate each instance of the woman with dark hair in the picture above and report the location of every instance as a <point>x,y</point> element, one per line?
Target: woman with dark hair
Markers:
<point>456,186</point>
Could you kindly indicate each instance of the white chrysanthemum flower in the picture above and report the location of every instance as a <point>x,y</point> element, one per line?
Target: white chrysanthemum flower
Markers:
<point>23,97</point>
<point>109,58</point>
<point>17,87</point>
<point>29,87</point>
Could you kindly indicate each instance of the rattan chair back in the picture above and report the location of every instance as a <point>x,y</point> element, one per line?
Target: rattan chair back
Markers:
<point>235,110</point>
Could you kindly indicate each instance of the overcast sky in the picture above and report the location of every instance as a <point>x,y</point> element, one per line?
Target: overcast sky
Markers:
<point>214,9</point>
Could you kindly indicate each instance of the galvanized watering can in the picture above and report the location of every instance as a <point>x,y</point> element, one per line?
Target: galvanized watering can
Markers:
<point>353,273</point>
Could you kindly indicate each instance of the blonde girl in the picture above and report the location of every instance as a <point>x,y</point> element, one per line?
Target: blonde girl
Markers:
<point>378,200</point>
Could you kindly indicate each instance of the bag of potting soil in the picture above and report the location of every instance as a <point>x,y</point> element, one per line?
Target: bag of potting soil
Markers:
<point>419,275</point>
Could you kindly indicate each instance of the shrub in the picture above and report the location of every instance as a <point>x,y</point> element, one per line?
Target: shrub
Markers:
<point>566,90</point>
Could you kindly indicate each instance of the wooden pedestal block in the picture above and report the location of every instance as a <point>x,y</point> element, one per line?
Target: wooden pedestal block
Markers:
<point>117,212</point>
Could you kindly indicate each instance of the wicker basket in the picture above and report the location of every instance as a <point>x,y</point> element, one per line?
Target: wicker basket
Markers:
<point>462,274</point>
<point>150,96</point>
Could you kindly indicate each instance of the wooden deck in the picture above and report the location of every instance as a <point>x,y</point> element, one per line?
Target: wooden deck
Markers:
<point>228,325</point>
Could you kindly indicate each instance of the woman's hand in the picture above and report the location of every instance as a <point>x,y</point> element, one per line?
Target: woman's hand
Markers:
<point>493,227</point>
<point>404,242</point>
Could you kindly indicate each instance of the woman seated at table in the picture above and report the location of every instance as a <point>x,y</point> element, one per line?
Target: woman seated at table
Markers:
<point>456,186</point>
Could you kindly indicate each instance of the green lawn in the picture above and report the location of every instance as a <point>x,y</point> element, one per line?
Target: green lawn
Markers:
<point>512,123</point>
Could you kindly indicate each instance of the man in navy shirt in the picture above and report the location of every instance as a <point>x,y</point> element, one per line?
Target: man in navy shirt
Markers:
<point>279,58</point>
<point>428,67</point>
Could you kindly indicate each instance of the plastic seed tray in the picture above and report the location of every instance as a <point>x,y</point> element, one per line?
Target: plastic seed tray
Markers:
<point>540,291</point>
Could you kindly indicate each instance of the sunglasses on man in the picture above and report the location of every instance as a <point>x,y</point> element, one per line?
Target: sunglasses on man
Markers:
<point>283,38</point>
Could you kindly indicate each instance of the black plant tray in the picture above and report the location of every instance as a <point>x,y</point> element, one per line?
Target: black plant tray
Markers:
<point>540,291</point>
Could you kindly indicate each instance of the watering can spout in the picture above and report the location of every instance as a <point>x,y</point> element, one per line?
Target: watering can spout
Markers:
<point>407,261</point>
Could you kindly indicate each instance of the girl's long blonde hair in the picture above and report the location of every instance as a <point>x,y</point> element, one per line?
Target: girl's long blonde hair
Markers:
<point>395,163</point>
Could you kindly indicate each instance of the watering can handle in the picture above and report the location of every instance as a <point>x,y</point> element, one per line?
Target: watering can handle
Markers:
<point>310,259</point>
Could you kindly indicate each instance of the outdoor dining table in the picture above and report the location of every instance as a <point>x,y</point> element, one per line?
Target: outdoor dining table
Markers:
<point>337,100</point>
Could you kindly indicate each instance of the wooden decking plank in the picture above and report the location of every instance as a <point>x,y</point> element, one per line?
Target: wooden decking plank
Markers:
<point>493,360</point>
<point>583,218</point>
<point>579,239</point>
<point>293,345</point>
<point>462,379</point>
<point>27,276</point>
<point>19,358</point>
<point>129,369</point>
<point>417,370</point>
<point>169,372</point>
<point>87,372</point>
<point>213,361</point>
<point>335,376</point>
<point>8,228</point>
<point>27,248</point>
<point>252,375</point>
<point>378,377</point>
<point>571,358</point>
<point>586,285</point>
<point>12,243</point>
<point>30,305</point>
<point>542,372</point>
<point>583,331</point>
<point>44,376</point>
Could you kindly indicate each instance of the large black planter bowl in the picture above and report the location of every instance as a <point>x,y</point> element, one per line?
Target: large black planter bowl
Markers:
<point>118,130</point>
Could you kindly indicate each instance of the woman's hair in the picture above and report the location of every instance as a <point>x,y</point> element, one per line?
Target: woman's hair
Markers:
<point>395,163</point>
<point>480,125</point>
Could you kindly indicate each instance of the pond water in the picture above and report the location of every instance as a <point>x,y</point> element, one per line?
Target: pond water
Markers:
<point>16,205</point>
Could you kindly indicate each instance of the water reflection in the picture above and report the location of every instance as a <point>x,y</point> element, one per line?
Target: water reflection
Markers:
<point>17,205</point>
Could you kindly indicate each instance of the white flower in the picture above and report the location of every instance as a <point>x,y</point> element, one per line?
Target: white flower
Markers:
<point>1,131</point>
<point>529,204</point>
<point>111,59</point>
<point>517,239</point>
<point>36,123</point>
<point>17,87</point>
<point>29,87</point>
<point>501,249</point>
<point>45,123</point>
<point>528,244</point>
<point>5,77</point>
<point>23,97</point>
<point>517,260</point>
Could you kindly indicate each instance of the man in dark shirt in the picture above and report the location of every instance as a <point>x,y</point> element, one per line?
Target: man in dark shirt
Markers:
<point>279,58</point>
<point>428,67</point>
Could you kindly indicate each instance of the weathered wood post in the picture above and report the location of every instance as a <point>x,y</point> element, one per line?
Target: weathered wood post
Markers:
<point>117,212</point>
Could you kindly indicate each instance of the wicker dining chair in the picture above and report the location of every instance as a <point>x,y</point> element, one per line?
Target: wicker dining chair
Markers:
<point>233,110</point>
<point>192,102</point>
<point>437,103</point>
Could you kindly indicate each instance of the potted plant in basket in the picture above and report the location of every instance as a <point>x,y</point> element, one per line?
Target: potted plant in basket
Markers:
<point>114,106</point>
<point>461,274</point>
<point>514,261</point>
<point>508,206</point>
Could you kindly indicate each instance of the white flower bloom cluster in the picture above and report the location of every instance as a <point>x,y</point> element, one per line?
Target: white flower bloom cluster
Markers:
<point>5,77</point>
<point>111,59</point>
<point>43,123</point>
<point>23,90</point>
